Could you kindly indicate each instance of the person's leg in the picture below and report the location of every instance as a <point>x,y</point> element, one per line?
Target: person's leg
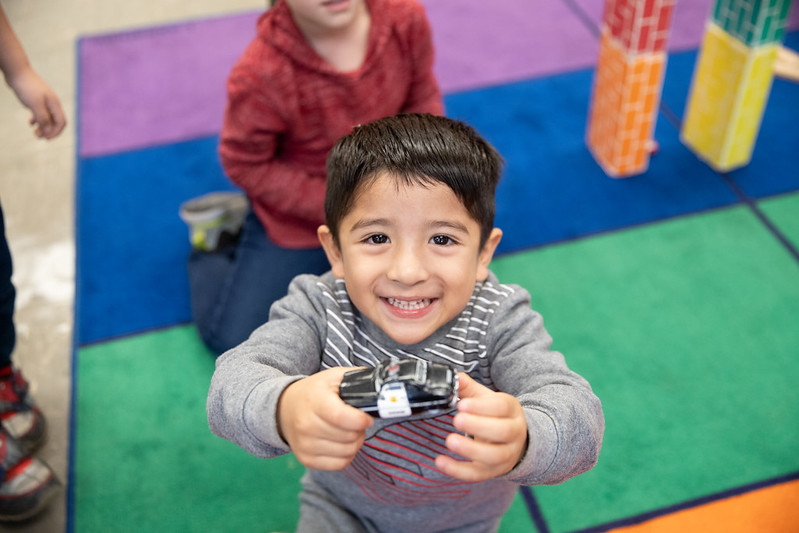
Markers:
<point>7,295</point>
<point>18,415</point>
<point>233,289</point>
<point>26,483</point>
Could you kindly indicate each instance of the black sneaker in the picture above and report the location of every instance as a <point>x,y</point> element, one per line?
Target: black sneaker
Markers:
<point>214,219</point>
<point>27,484</point>
<point>18,415</point>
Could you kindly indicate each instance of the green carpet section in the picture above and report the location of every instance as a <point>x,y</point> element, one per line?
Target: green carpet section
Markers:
<point>783,212</point>
<point>686,329</point>
<point>517,519</point>
<point>145,459</point>
<point>688,332</point>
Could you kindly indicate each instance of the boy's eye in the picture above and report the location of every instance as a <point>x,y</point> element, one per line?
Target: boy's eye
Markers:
<point>442,240</point>
<point>377,238</point>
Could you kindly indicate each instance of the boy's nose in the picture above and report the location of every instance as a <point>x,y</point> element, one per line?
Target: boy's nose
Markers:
<point>407,266</point>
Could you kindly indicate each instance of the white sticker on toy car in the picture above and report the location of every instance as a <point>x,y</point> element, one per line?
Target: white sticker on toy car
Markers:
<point>393,401</point>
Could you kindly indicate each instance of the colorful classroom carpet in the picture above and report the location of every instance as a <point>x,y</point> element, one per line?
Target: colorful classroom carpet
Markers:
<point>676,292</point>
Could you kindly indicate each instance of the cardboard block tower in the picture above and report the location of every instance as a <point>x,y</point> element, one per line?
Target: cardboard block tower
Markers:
<point>732,80</point>
<point>628,81</point>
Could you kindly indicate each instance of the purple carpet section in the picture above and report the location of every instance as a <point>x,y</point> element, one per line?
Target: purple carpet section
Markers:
<point>174,90</point>
<point>482,43</point>
<point>171,80</point>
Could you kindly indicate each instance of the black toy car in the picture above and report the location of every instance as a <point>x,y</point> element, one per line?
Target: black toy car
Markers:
<point>401,387</point>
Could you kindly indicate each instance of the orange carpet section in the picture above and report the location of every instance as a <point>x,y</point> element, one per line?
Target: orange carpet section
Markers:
<point>773,509</point>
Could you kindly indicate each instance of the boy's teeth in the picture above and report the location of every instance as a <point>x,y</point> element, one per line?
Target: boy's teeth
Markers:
<point>406,304</point>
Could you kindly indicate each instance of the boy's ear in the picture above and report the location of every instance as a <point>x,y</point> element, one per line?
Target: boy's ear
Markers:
<point>487,253</point>
<point>332,250</point>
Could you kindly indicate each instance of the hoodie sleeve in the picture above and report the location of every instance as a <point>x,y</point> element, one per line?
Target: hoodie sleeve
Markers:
<point>565,422</point>
<point>424,95</point>
<point>254,123</point>
<point>249,379</point>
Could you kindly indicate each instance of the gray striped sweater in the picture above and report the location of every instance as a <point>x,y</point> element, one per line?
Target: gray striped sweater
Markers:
<point>393,485</point>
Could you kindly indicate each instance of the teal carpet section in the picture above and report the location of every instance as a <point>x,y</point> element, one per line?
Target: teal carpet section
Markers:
<point>784,212</point>
<point>145,459</point>
<point>687,331</point>
<point>517,519</point>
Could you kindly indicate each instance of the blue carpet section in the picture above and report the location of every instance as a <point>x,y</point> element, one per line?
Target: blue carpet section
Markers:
<point>553,189</point>
<point>774,168</point>
<point>132,245</point>
<point>775,162</point>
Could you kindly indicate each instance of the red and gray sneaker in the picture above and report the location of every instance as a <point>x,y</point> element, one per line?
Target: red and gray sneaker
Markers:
<point>18,415</point>
<point>27,484</point>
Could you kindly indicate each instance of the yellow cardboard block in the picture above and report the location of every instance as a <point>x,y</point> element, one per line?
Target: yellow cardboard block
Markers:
<point>728,94</point>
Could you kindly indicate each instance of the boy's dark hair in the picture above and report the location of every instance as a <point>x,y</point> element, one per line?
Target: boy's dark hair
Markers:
<point>417,149</point>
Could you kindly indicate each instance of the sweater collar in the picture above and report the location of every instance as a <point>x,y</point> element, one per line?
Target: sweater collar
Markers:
<point>374,332</point>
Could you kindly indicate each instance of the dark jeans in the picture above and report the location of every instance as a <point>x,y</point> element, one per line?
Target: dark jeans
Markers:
<point>233,289</point>
<point>7,293</point>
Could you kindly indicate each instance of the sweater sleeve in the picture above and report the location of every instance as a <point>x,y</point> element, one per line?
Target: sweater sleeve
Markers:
<point>249,149</point>
<point>424,95</point>
<point>249,379</point>
<point>564,417</point>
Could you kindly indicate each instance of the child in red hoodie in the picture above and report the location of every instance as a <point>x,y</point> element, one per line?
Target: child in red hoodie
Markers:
<point>316,69</point>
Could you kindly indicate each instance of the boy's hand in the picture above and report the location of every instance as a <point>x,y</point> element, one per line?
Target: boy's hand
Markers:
<point>497,432</point>
<point>324,432</point>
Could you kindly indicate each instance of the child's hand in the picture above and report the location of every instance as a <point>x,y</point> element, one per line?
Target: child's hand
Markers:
<point>324,432</point>
<point>47,116</point>
<point>497,432</point>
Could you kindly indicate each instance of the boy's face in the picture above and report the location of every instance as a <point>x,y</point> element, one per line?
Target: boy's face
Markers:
<point>409,255</point>
<point>315,15</point>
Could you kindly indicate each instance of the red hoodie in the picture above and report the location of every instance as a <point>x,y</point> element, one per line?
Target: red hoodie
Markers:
<point>287,107</point>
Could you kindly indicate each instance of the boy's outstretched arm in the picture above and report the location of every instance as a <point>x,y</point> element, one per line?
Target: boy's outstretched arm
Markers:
<point>32,90</point>
<point>497,430</point>
<point>323,432</point>
<point>563,416</point>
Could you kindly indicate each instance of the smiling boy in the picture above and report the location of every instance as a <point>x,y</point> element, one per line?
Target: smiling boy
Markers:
<point>410,256</point>
<point>409,236</point>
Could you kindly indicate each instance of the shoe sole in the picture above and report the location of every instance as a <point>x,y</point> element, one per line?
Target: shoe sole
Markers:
<point>44,496</point>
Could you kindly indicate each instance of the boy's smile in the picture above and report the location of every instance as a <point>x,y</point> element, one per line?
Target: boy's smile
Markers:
<point>409,255</point>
